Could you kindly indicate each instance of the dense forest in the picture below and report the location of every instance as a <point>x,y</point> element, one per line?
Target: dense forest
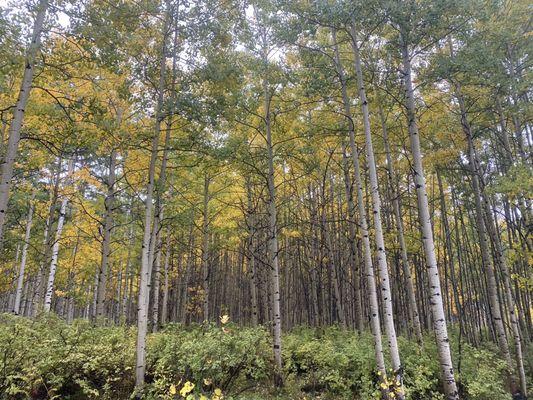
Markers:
<point>266,199</point>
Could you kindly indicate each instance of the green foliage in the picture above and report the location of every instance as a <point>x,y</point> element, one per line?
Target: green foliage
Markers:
<point>333,361</point>
<point>209,356</point>
<point>482,374</point>
<point>47,358</point>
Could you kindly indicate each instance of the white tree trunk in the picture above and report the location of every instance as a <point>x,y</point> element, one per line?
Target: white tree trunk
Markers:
<point>146,267</point>
<point>411,297</point>
<point>164,307</point>
<point>55,248</point>
<point>251,252</point>
<point>273,247</point>
<point>363,225</point>
<point>386,294</point>
<point>437,308</point>
<point>20,280</point>
<point>18,115</point>
<point>483,208</point>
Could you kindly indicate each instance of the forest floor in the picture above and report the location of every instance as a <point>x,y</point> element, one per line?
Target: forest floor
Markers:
<point>47,357</point>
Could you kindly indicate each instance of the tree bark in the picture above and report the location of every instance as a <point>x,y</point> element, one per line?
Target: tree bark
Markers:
<point>18,115</point>
<point>367,254</point>
<point>386,294</point>
<point>411,297</point>
<point>55,248</point>
<point>437,308</point>
<point>106,240</point>
<point>146,267</point>
<point>20,279</point>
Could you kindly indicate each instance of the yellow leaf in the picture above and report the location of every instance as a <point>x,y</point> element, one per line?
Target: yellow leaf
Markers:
<point>172,390</point>
<point>186,389</point>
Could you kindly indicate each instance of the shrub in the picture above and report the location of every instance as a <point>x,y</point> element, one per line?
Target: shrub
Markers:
<point>48,358</point>
<point>331,361</point>
<point>208,356</point>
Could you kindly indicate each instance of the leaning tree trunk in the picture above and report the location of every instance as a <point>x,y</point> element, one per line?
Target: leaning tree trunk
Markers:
<point>386,294</point>
<point>411,297</point>
<point>18,115</point>
<point>481,206</point>
<point>367,253</point>
<point>437,308</point>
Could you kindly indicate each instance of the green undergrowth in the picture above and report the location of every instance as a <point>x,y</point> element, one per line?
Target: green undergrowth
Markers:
<point>49,359</point>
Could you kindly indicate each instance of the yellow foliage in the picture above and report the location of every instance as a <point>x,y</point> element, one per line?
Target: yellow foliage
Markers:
<point>186,389</point>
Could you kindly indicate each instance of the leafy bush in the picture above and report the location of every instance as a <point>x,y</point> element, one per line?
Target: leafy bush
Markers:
<point>48,358</point>
<point>209,356</point>
<point>341,365</point>
<point>331,361</point>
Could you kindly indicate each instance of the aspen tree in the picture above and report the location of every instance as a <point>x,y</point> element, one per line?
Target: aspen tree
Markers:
<point>436,302</point>
<point>18,115</point>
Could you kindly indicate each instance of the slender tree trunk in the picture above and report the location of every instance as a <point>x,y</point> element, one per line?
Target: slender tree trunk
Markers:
<point>367,254</point>
<point>251,251</point>
<point>146,267</point>
<point>47,245</point>
<point>411,297</point>
<point>106,240</point>
<point>18,115</point>
<point>354,252</point>
<point>272,223</point>
<point>483,205</point>
<point>205,247</point>
<point>55,248</point>
<point>437,308</point>
<point>448,242</point>
<point>164,308</point>
<point>386,294</point>
<point>20,280</point>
